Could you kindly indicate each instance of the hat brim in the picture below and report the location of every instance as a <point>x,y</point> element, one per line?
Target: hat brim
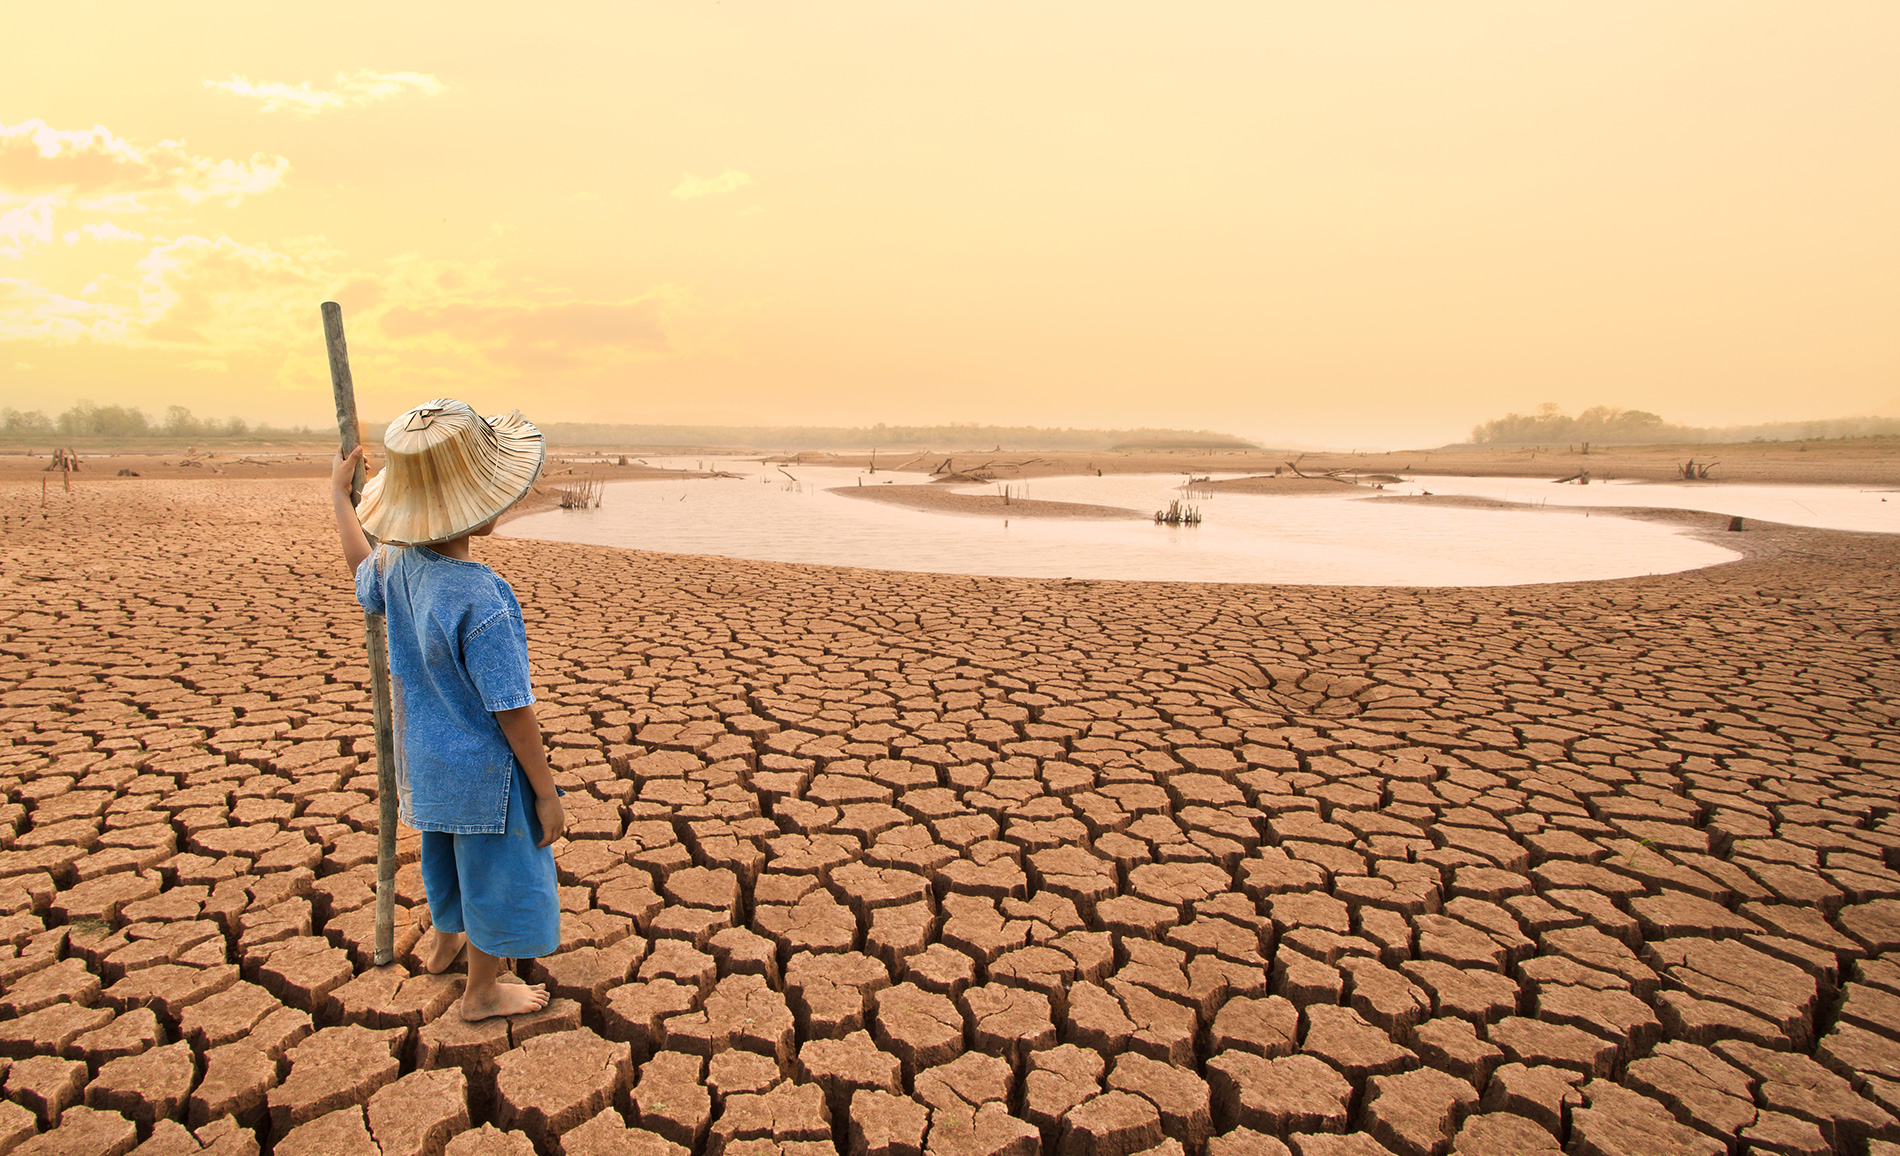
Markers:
<point>421,501</point>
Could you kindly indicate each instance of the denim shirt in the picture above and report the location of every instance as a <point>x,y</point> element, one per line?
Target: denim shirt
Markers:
<point>457,653</point>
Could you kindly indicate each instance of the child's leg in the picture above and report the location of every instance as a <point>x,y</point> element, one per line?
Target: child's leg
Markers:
<point>510,907</point>
<point>445,947</point>
<point>487,996</point>
<point>443,889</point>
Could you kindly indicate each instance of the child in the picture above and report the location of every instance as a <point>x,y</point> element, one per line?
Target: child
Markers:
<point>469,759</point>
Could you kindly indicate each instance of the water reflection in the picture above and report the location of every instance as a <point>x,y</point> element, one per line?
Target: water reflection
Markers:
<point>787,516</point>
<point>1827,507</point>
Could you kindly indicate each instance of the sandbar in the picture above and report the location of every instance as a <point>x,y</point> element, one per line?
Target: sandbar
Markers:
<point>937,500</point>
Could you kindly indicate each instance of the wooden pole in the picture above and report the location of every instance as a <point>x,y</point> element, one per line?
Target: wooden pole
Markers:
<point>376,639</point>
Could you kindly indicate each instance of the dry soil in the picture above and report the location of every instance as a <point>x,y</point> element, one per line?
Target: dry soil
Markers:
<point>899,863</point>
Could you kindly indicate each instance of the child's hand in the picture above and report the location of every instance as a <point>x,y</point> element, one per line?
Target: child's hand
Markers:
<point>343,471</point>
<point>553,818</point>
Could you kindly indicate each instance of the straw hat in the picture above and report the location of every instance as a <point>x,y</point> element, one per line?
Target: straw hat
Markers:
<point>448,471</point>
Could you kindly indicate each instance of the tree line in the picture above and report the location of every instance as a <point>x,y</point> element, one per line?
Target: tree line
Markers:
<point>1610,425</point>
<point>955,436</point>
<point>85,419</point>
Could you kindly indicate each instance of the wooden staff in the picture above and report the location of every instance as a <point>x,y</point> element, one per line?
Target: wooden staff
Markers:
<point>376,637</point>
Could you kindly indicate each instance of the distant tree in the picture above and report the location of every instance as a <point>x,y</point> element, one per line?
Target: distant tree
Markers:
<point>180,423</point>
<point>85,418</point>
<point>77,419</point>
<point>32,421</point>
<point>1599,423</point>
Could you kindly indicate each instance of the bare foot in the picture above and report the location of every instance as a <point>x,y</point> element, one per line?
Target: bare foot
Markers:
<point>443,951</point>
<point>505,999</point>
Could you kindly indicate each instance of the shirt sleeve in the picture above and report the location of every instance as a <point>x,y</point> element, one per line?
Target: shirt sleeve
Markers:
<point>369,582</point>
<point>496,655</point>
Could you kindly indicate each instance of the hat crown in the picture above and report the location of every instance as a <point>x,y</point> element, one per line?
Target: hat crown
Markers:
<point>432,423</point>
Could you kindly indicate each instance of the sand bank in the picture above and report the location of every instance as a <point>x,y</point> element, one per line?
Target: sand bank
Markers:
<point>1561,824</point>
<point>1863,462</point>
<point>1286,485</point>
<point>256,463</point>
<point>1867,461</point>
<point>942,501</point>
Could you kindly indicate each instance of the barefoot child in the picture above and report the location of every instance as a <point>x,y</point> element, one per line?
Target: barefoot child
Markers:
<point>471,772</point>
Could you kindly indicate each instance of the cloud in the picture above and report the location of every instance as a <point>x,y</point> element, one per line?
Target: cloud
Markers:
<point>37,158</point>
<point>534,335</point>
<point>31,223</point>
<point>31,312</point>
<point>351,90</point>
<point>191,292</point>
<point>692,188</point>
<point>422,323</point>
<point>103,231</point>
<point>224,293</point>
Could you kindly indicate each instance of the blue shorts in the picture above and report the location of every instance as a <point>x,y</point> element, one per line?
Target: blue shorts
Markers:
<point>499,889</point>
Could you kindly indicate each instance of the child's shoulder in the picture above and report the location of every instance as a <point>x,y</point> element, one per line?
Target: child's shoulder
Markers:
<point>455,578</point>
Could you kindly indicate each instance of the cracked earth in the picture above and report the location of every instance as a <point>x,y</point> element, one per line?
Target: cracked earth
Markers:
<point>899,864</point>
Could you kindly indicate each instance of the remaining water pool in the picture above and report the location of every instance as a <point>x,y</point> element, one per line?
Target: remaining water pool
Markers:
<point>1828,507</point>
<point>1344,540</point>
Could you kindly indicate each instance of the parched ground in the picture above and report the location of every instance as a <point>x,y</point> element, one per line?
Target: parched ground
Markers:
<point>891,863</point>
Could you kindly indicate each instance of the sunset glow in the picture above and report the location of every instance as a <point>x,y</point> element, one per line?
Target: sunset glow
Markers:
<point>1347,224</point>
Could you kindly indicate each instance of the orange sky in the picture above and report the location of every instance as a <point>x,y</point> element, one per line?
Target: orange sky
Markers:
<point>1349,224</point>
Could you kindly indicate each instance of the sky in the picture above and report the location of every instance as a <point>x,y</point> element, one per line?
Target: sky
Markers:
<point>1344,224</point>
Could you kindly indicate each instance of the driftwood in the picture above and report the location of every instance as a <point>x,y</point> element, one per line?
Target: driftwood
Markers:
<point>65,460</point>
<point>1694,471</point>
<point>1178,515</point>
<point>580,494</point>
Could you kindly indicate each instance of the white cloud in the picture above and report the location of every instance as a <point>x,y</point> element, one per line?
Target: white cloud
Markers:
<point>112,203</point>
<point>222,293</point>
<point>31,223</point>
<point>38,158</point>
<point>187,292</point>
<point>30,311</point>
<point>350,90</point>
<point>103,231</point>
<point>692,187</point>
<point>214,304</point>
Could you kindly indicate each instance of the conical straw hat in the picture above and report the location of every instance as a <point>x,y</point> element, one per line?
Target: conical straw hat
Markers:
<point>448,471</point>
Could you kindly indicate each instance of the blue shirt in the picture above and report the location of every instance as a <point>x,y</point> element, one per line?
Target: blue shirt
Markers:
<point>457,654</point>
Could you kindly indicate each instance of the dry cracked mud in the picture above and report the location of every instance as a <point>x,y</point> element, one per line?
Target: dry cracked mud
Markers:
<point>891,864</point>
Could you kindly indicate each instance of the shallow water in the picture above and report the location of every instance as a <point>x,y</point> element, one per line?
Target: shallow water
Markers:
<point>1826,507</point>
<point>1320,540</point>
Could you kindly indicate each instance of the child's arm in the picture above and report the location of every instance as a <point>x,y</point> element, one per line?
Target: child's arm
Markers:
<point>524,738</point>
<point>355,543</point>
